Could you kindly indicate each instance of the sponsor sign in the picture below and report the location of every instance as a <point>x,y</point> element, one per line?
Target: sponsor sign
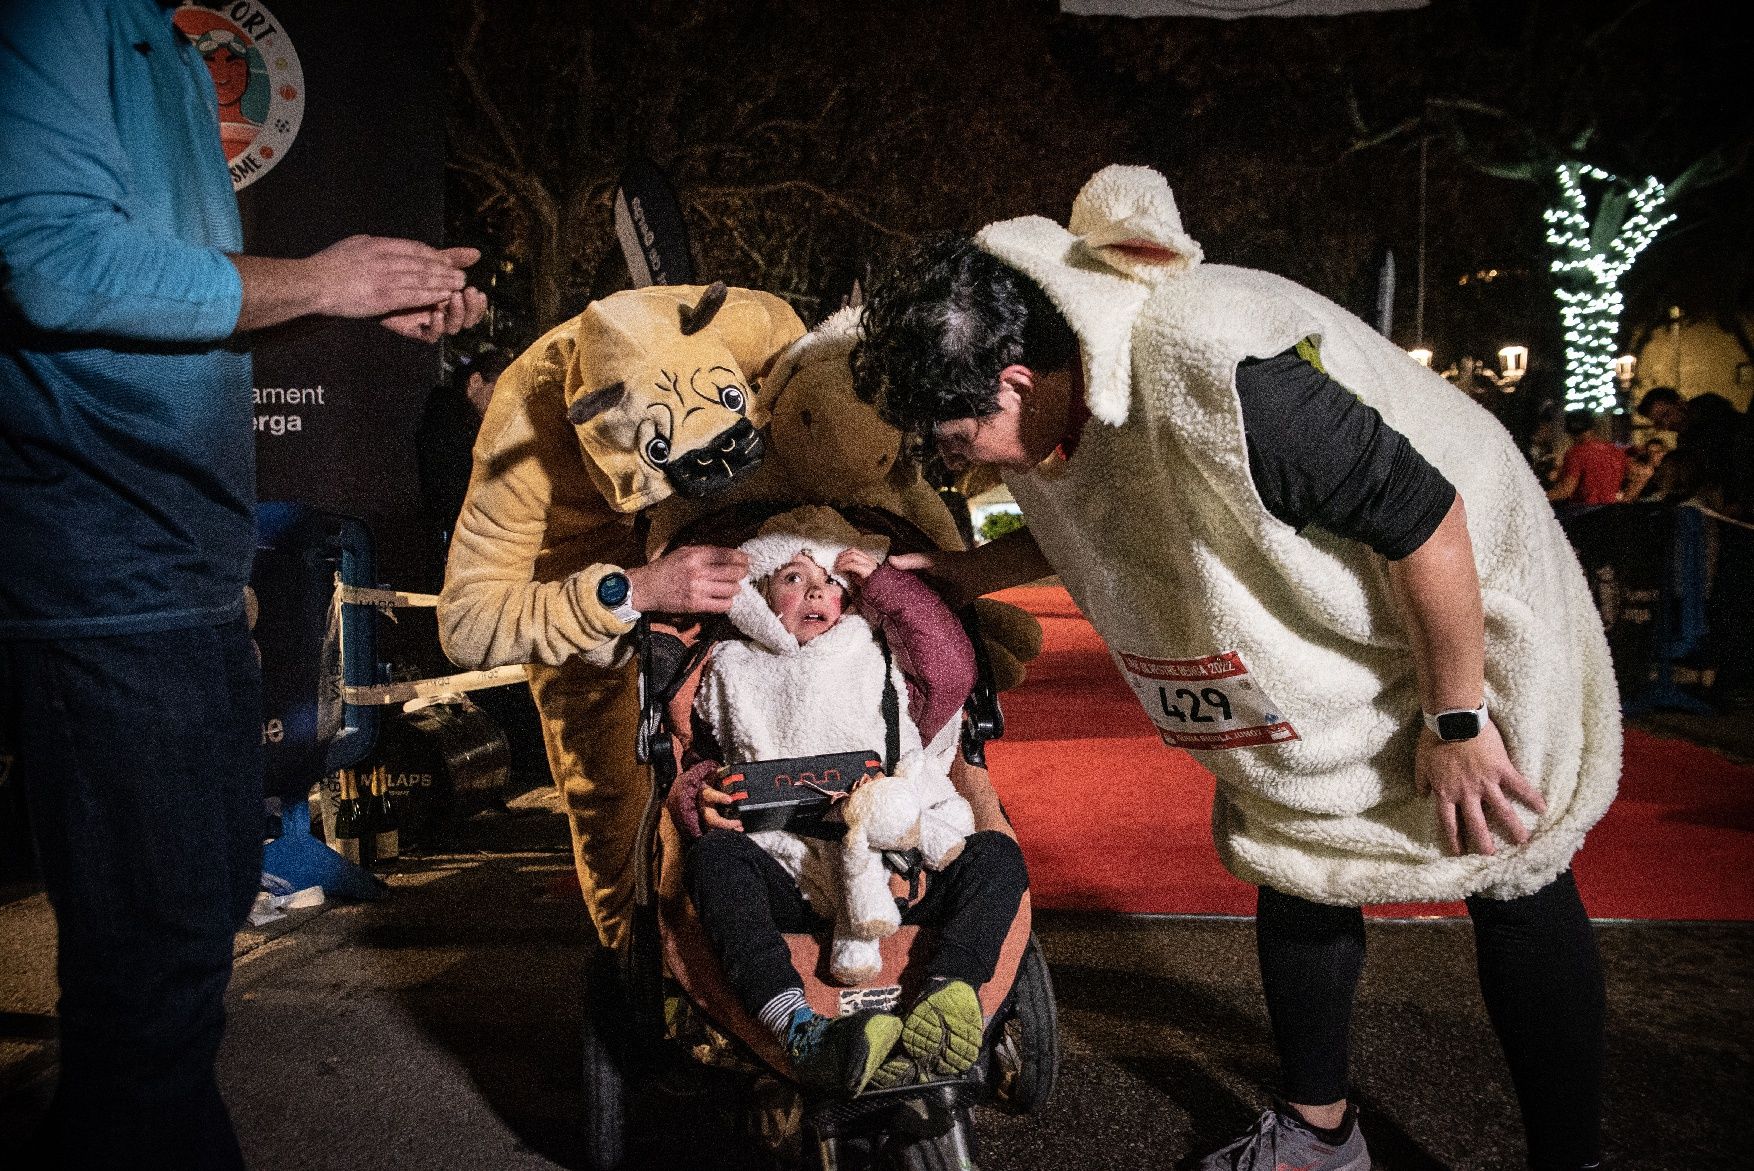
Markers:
<point>256,76</point>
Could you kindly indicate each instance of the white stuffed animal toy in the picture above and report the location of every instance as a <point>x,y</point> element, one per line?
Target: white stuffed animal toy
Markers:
<point>775,694</point>
<point>916,808</point>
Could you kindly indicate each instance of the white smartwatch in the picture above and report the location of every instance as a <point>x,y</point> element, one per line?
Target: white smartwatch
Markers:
<point>1457,723</point>
<point>615,592</point>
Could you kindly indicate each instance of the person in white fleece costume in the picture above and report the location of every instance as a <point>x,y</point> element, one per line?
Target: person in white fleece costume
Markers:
<point>810,677</point>
<point>1169,428</point>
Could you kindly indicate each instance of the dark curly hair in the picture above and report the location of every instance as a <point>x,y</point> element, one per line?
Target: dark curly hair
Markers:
<point>941,324</point>
<point>1656,396</point>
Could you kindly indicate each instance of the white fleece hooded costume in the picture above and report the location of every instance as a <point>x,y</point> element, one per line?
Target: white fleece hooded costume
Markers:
<point>769,698</point>
<point>1280,658</point>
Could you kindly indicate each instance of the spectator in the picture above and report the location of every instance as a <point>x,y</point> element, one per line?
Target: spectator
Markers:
<point>1704,464</point>
<point>130,697</point>
<point>1642,463</point>
<point>1593,469</point>
<point>445,442</point>
<point>1477,380</point>
<point>1548,443</point>
<point>1665,408</point>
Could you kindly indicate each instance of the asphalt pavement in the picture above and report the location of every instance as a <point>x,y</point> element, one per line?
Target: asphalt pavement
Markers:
<point>438,1029</point>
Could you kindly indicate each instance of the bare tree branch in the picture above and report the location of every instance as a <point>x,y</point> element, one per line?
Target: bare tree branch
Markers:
<point>829,197</point>
<point>483,99</point>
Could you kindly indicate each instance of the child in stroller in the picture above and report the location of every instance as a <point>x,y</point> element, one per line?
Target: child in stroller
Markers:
<point>809,678</point>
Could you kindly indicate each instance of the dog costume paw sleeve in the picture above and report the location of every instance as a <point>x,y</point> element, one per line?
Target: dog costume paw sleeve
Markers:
<point>535,535</point>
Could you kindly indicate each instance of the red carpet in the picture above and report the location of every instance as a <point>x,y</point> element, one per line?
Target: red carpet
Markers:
<point>1113,820</point>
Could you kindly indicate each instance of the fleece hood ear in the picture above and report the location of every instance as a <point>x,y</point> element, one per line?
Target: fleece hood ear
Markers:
<point>1124,237</point>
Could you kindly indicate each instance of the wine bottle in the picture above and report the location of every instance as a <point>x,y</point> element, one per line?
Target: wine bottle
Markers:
<point>350,816</point>
<point>386,816</point>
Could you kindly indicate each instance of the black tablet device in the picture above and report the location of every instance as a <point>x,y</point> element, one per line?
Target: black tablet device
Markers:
<point>799,787</point>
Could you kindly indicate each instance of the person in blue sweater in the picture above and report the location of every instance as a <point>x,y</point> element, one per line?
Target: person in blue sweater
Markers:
<point>129,692</point>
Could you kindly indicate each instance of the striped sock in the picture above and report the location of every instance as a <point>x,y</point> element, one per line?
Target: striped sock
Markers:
<point>777,1013</point>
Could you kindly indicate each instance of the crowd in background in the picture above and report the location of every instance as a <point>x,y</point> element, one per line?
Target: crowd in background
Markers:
<point>1707,474</point>
<point>1694,449</point>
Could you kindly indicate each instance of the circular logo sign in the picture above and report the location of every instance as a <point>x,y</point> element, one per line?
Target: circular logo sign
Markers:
<point>257,77</point>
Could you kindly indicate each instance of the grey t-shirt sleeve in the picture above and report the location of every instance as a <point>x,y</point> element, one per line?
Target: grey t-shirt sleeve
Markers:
<point>1319,456</point>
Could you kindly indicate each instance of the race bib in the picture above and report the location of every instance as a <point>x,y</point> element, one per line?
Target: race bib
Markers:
<point>1209,703</point>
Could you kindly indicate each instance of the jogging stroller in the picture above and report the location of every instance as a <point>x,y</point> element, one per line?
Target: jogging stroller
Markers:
<point>662,999</point>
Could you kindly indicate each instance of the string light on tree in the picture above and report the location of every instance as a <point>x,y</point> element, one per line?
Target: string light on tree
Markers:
<point>1591,258</point>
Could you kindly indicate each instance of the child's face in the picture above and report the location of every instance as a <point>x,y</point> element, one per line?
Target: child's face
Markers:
<point>806,602</point>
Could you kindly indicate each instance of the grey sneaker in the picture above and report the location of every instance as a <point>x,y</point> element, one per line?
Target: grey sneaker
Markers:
<point>1278,1143</point>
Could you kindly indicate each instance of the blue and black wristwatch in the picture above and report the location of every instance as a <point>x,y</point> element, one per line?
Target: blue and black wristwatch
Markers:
<point>615,593</point>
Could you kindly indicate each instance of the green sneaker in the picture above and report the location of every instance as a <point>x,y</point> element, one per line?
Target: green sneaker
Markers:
<point>840,1055</point>
<point>940,1037</point>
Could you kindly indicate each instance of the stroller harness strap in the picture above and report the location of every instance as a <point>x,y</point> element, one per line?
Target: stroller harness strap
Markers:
<point>909,863</point>
<point>891,711</point>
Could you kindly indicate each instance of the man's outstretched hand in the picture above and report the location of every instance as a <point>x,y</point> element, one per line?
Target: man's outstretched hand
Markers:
<point>459,312</point>
<point>1012,560</point>
<point>695,579</point>
<point>370,276</point>
<point>414,289</point>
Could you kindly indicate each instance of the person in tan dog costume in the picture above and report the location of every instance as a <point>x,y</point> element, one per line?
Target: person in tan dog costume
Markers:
<point>648,395</point>
<point>651,405</point>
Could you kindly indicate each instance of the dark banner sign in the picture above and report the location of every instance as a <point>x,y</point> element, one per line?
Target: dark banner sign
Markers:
<point>649,224</point>
<point>332,115</point>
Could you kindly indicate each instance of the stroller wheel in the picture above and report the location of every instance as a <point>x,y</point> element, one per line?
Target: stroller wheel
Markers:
<point>603,1123</point>
<point>952,1148</point>
<point>1025,1057</point>
<point>944,1153</point>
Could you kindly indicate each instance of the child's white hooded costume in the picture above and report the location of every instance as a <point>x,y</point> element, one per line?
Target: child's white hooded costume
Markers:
<point>1280,658</point>
<point>769,698</point>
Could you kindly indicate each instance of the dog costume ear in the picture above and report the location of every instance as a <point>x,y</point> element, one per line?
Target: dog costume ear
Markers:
<point>700,315</point>
<point>589,406</point>
<point>756,327</point>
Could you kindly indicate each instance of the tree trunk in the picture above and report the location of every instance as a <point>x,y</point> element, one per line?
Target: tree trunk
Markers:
<point>549,265</point>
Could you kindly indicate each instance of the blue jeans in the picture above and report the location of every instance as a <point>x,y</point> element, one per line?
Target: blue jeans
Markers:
<point>142,765</point>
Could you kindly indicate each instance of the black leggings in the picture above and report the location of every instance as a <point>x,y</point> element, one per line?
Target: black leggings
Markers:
<point>1541,977</point>
<point>746,899</point>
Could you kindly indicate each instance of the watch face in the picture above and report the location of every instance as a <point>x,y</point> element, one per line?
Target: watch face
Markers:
<point>612,590</point>
<point>1458,725</point>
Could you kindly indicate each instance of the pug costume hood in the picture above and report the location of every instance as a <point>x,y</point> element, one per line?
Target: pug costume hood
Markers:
<point>1189,578</point>
<point>660,373</point>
